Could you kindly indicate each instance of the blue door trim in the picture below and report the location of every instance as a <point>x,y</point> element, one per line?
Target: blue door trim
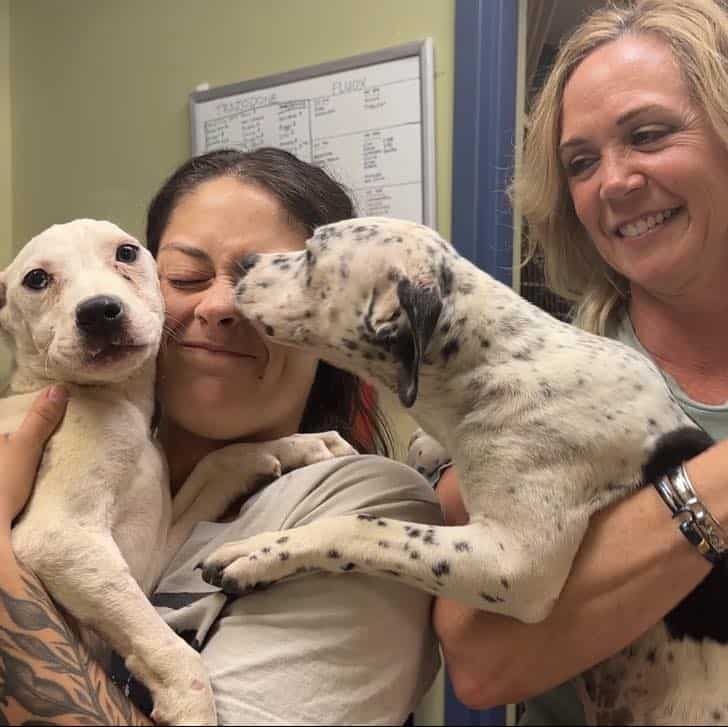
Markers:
<point>486,38</point>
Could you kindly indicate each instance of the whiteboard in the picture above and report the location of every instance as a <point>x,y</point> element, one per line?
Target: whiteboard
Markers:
<point>368,120</point>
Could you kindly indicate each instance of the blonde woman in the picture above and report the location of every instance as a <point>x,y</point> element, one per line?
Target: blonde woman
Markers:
<point>625,189</point>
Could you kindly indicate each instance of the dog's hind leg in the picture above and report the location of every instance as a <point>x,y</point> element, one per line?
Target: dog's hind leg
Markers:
<point>486,563</point>
<point>87,575</point>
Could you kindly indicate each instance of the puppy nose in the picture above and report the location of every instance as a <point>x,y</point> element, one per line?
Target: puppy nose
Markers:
<point>247,263</point>
<point>101,315</point>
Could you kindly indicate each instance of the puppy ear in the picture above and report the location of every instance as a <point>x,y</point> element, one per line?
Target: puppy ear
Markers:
<point>422,305</point>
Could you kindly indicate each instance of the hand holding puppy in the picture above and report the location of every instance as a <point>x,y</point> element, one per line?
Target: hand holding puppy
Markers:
<point>20,451</point>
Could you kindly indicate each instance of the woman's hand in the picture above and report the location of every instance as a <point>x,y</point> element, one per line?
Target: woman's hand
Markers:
<point>20,452</point>
<point>633,567</point>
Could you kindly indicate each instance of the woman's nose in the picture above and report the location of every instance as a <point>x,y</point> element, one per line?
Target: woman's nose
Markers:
<point>620,176</point>
<point>217,306</point>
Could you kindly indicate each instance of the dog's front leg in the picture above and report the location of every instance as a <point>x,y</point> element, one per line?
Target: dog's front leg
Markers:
<point>237,471</point>
<point>485,563</point>
<point>87,575</point>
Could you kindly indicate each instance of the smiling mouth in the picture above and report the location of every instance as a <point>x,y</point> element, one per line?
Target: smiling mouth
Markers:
<point>647,223</point>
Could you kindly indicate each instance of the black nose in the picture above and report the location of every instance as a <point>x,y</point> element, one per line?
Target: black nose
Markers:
<point>101,315</point>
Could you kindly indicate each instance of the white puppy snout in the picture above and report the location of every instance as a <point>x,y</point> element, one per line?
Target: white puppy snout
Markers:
<point>101,316</point>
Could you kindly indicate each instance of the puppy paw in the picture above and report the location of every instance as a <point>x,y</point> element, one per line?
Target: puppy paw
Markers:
<point>426,454</point>
<point>256,563</point>
<point>179,684</point>
<point>300,450</point>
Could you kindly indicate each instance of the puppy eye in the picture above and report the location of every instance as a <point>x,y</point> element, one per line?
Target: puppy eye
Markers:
<point>37,279</point>
<point>127,253</point>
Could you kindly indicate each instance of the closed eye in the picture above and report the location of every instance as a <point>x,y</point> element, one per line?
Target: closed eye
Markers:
<point>183,283</point>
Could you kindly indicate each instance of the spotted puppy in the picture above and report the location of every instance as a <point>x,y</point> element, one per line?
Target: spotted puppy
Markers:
<point>545,423</point>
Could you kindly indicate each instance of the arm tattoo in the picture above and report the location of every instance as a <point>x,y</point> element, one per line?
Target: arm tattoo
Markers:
<point>46,674</point>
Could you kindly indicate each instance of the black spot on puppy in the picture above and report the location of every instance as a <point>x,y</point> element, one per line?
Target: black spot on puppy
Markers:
<point>450,349</point>
<point>442,568</point>
<point>429,537</point>
<point>248,263</point>
<point>446,280</point>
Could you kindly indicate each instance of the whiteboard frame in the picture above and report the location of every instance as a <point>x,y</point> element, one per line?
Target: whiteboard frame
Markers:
<point>421,48</point>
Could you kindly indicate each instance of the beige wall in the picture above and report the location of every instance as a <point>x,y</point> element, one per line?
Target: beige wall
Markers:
<point>6,159</point>
<point>101,86</point>
<point>6,207</point>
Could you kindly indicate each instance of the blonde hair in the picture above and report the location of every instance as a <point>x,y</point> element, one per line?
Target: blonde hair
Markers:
<point>696,31</point>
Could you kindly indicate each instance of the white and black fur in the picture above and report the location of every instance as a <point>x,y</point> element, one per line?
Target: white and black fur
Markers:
<point>546,424</point>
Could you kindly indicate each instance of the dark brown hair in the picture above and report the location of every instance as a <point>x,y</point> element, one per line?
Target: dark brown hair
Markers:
<point>310,197</point>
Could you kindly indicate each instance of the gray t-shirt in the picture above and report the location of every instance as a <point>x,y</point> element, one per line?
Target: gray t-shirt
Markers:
<point>562,706</point>
<point>321,649</point>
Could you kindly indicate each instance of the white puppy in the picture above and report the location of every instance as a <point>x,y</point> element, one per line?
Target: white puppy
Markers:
<point>81,305</point>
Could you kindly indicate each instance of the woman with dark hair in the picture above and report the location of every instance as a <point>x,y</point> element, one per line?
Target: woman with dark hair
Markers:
<point>315,650</point>
<point>308,197</point>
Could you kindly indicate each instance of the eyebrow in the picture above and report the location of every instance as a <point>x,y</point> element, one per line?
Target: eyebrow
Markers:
<point>625,118</point>
<point>190,250</point>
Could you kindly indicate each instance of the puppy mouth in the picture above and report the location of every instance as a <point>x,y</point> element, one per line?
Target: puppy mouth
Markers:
<point>110,353</point>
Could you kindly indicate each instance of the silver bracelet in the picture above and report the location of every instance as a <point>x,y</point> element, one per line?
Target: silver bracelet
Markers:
<point>696,522</point>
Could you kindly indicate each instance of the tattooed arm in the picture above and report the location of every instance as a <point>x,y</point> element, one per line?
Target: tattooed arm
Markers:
<point>46,675</point>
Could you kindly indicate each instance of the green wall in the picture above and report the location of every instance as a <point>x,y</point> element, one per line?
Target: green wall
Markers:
<point>100,115</point>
